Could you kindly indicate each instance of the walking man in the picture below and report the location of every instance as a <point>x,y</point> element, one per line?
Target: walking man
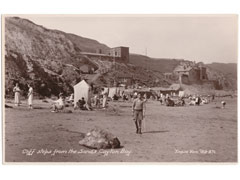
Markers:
<point>138,109</point>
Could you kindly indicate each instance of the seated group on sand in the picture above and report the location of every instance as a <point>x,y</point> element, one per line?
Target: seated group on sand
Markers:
<point>59,104</point>
<point>82,105</point>
<point>180,101</point>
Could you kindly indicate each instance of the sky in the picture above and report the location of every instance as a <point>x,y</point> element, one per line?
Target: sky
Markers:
<point>205,38</point>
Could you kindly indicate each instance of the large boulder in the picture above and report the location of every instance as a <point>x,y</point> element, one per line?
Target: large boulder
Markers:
<point>100,139</point>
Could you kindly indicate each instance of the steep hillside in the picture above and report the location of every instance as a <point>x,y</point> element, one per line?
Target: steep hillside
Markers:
<point>51,59</point>
<point>47,58</point>
<point>161,65</point>
<point>85,44</point>
<point>229,69</point>
<point>224,74</point>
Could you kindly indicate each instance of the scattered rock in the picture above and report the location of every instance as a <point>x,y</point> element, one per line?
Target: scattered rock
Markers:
<point>113,110</point>
<point>38,107</point>
<point>100,139</point>
<point>66,111</point>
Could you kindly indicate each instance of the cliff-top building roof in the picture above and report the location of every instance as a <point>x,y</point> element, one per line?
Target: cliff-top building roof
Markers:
<point>183,69</point>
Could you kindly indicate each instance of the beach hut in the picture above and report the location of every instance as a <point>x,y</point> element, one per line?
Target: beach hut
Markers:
<point>82,89</point>
<point>181,93</point>
<point>112,91</point>
<point>105,91</point>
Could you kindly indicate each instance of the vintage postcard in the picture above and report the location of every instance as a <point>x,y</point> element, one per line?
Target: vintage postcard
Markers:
<point>120,88</point>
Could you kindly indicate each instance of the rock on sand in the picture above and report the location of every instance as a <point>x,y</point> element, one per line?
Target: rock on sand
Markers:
<point>100,139</point>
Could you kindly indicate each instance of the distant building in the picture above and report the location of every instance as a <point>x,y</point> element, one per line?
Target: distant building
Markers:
<point>191,73</point>
<point>203,71</point>
<point>120,54</point>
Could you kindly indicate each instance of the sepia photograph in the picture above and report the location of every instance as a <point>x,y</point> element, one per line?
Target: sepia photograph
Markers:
<point>120,88</point>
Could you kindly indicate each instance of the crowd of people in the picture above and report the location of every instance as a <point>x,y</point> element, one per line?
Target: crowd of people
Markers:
<point>100,101</point>
<point>195,100</point>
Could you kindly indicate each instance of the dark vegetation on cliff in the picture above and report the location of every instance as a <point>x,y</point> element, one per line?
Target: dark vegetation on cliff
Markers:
<point>51,61</point>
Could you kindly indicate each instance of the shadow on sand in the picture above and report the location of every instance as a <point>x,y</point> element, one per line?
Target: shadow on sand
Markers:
<point>154,132</point>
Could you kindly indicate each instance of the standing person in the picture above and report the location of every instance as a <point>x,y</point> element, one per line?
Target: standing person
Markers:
<point>97,101</point>
<point>16,91</point>
<point>105,95</point>
<point>138,109</point>
<point>213,97</point>
<point>71,99</point>
<point>163,99</point>
<point>30,96</point>
<point>104,101</point>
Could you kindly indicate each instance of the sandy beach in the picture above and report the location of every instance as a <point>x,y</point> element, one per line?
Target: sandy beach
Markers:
<point>203,133</point>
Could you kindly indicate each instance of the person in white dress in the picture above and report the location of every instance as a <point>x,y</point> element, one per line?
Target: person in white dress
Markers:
<point>104,100</point>
<point>16,91</point>
<point>30,96</point>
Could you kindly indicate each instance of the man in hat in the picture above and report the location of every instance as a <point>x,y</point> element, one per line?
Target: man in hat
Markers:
<point>138,109</point>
